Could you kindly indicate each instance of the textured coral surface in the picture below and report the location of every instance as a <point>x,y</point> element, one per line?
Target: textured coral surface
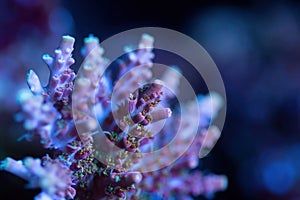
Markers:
<point>84,164</point>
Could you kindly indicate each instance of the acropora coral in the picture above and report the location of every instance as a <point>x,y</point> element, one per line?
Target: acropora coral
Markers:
<point>67,112</point>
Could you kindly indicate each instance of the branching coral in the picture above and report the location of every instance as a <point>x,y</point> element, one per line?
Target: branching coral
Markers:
<point>65,115</point>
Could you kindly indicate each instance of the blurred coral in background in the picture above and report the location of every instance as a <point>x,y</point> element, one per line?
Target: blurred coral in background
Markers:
<point>256,49</point>
<point>27,28</point>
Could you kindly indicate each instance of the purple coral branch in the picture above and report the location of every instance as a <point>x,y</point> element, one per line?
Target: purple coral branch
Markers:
<point>49,112</point>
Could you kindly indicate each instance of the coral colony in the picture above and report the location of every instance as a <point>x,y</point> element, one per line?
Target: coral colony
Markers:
<point>126,109</point>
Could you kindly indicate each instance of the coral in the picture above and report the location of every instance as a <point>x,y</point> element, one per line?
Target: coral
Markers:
<point>127,103</point>
<point>51,176</point>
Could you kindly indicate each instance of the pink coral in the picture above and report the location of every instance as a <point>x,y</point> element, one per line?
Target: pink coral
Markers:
<point>107,164</point>
<point>50,175</point>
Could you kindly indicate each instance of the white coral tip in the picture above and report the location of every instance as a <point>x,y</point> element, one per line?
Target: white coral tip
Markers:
<point>34,83</point>
<point>146,41</point>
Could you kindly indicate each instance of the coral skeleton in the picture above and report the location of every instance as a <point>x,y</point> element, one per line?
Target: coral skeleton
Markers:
<point>128,104</point>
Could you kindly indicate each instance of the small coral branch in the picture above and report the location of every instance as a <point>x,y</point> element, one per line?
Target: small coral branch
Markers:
<point>51,176</point>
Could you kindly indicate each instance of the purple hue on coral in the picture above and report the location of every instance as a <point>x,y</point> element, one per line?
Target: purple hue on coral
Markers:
<point>49,112</point>
<point>51,176</point>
